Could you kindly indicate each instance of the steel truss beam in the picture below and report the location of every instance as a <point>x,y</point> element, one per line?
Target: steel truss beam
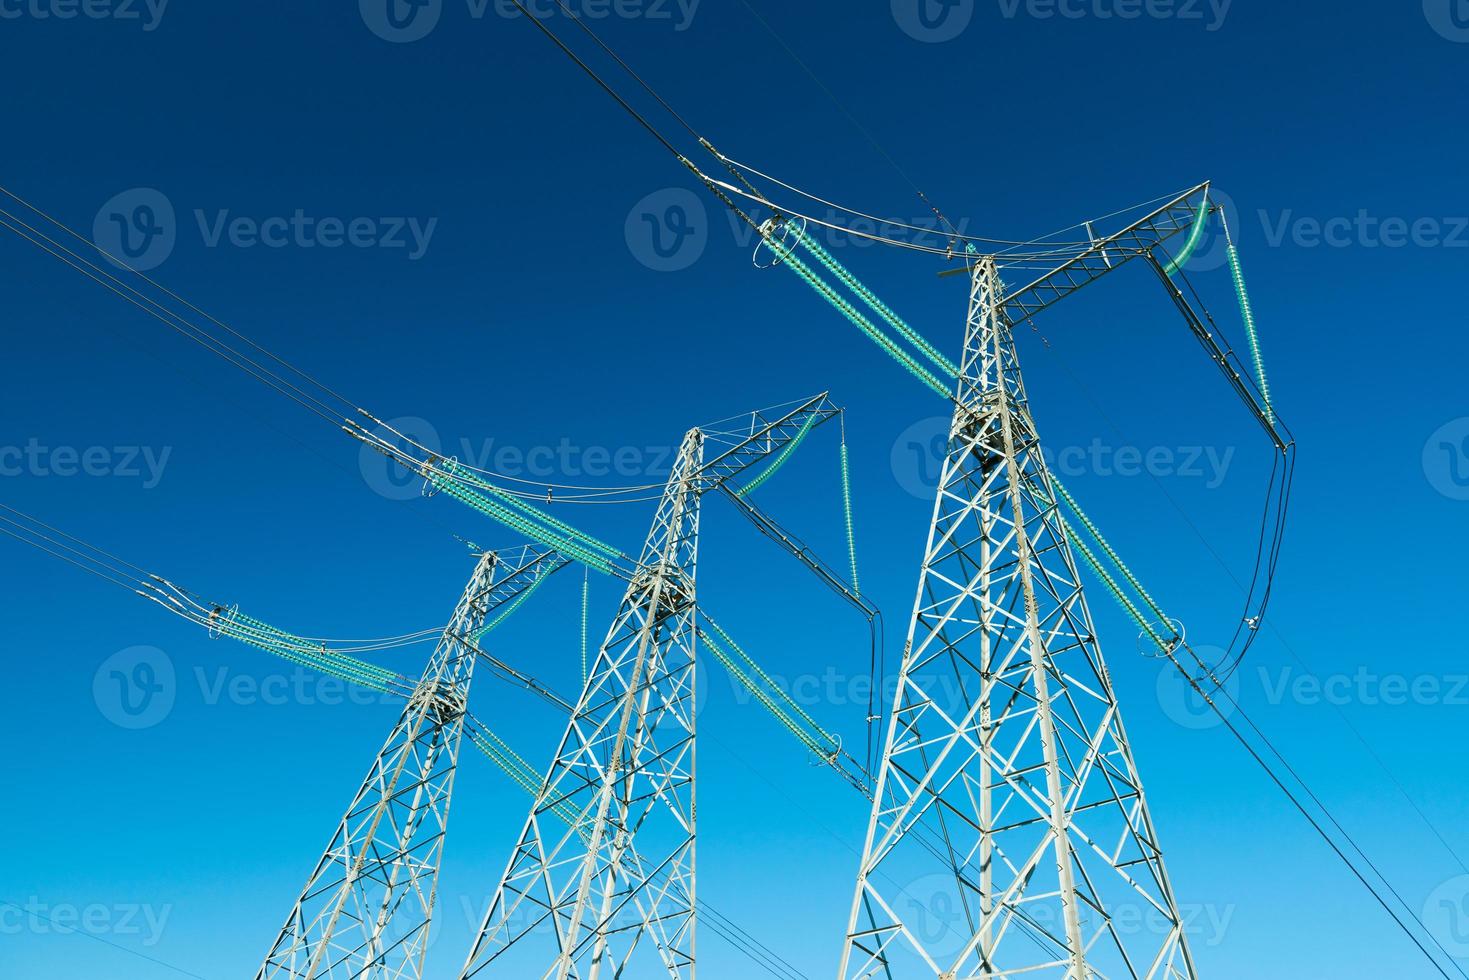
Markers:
<point>1009,836</point>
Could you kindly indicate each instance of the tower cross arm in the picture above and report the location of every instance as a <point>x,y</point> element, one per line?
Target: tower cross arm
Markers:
<point>1108,253</point>
<point>767,436</point>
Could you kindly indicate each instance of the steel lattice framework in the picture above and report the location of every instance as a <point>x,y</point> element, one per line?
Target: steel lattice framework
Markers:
<point>623,776</point>
<point>1009,812</point>
<point>368,905</point>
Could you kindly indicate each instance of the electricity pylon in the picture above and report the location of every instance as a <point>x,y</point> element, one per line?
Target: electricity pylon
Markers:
<point>1009,836</point>
<point>623,776</point>
<point>368,905</point>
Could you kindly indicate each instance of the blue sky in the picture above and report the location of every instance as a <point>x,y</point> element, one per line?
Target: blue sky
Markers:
<point>458,228</point>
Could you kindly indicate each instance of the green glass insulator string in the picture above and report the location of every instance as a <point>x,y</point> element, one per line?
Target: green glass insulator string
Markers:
<point>515,604</point>
<point>454,488</point>
<point>247,629</point>
<point>501,754</point>
<point>913,337</point>
<point>782,457</point>
<point>1247,313</point>
<point>1112,587</point>
<point>584,606</point>
<point>1107,549</point>
<point>768,681</point>
<point>1195,236</point>
<point>846,309</point>
<point>507,759</point>
<point>847,511</point>
<point>365,675</point>
<point>766,701</point>
<point>534,513</point>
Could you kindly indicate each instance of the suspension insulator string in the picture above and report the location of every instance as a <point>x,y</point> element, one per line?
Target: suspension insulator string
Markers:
<point>1247,313</point>
<point>374,678</point>
<point>847,513</point>
<point>584,585</point>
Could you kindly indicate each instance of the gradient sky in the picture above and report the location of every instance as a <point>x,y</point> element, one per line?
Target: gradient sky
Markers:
<point>527,307</point>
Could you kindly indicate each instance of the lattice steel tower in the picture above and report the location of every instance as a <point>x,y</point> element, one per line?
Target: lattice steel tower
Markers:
<point>1009,836</point>
<point>367,907</point>
<point>606,860</point>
